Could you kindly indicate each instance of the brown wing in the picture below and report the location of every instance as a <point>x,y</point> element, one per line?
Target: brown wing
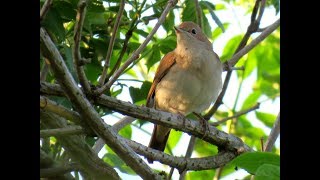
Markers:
<point>165,64</point>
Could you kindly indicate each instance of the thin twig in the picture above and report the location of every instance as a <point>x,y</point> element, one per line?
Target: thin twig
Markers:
<point>240,113</point>
<point>44,70</point>
<point>128,35</point>
<point>273,134</point>
<point>45,8</point>
<point>72,130</point>
<point>111,43</point>
<point>170,174</point>
<point>261,143</point>
<point>136,53</point>
<point>76,48</point>
<point>218,173</point>
<point>261,10</point>
<point>192,142</point>
<point>198,12</point>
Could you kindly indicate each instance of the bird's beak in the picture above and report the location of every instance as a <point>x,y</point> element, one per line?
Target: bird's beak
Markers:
<point>178,30</point>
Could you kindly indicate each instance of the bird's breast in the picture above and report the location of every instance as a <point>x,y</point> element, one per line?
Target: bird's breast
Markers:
<point>191,84</point>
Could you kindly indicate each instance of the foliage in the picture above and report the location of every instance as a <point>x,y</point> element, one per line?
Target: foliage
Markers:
<point>262,63</point>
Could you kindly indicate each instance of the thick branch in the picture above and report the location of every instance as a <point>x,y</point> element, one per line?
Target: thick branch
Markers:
<point>45,8</point>
<point>73,130</point>
<point>78,149</point>
<point>90,116</point>
<point>174,121</point>
<point>51,89</point>
<point>76,48</point>
<point>167,119</point>
<point>182,163</point>
<point>52,106</point>
<point>111,43</point>
<point>135,54</point>
<point>273,134</point>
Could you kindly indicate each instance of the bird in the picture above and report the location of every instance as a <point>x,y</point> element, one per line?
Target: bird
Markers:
<point>187,80</point>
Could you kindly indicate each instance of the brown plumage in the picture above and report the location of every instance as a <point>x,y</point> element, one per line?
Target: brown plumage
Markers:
<point>187,80</point>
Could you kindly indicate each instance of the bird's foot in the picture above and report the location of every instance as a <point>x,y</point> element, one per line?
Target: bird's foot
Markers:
<point>204,123</point>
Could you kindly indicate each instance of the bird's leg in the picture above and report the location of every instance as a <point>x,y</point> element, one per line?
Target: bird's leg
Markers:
<point>183,117</point>
<point>204,123</point>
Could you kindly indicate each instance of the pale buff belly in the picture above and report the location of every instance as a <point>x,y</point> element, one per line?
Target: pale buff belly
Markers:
<point>180,91</point>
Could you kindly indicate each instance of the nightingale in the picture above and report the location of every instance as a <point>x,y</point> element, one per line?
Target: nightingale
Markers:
<point>187,80</point>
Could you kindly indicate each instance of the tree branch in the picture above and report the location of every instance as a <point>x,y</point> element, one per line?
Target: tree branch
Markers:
<point>78,149</point>
<point>169,120</point>
<point>216,137</point>
<point>240,113</point>
<point>76,48</point>
<point>52,106</point>
<point>273,134</point>
<point>136,53</point>
<point>45,8</point>
<point>128,35</point>
<point>51,89</point>
<point>71,130</point>
<point>44,70</point>
<point>87,112</point>
<point>111,43</point>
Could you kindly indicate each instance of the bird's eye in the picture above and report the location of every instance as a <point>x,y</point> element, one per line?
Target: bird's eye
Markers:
<point>193,31</point>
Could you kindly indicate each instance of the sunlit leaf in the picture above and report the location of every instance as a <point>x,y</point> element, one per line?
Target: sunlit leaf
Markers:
<point>126,132</point>
<point>174,138</point>
<point>267,118</point>
<point>217,32</point>
<point>213,15</point>
<point>251,161</point>
<point>154,56</point>
<point>204,148</point>
<point>169,22</point>
<point>206,174</point>
<point>230,48</point>
<point>268,172</point>
<point>138,94</point>
<point>251,100</point>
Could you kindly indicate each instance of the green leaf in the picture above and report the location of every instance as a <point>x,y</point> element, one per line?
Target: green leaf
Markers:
<point>66,10</point>
<point>251,100</point>
<point>267,172</point>
<point>205,174</point>
<point>169,22</point>
<point>268,88</point>
<point>93,71</point>
<point>174,138</point>
<point>53,23</point>
<point>251,161</point>
<point>139,94</point>
<point>95,6</point>
<point>153,57</point>
<point>115,161</point>
<point>213,15</point>
<point>204,148</point>
<point>168,44</point>
<point>126,132</point>
<point>267,118</point>
<point>230,48</point>
<point>67,56</point>
<point>217,32</point>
